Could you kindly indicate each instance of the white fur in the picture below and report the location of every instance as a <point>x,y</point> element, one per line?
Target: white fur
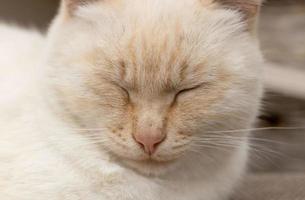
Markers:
<point>42,157</point>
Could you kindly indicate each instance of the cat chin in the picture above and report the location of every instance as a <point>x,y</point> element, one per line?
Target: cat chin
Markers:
<point>151,167</point>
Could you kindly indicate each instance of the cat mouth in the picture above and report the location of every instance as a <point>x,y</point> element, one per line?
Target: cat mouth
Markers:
<point>150,167</point>
<point>153,161</point>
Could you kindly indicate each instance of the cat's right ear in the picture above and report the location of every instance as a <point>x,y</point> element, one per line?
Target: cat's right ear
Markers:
<point>248,8</point>
<point>68,7</point>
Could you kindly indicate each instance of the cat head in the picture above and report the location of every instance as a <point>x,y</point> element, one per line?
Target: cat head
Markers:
<point>152,78</point>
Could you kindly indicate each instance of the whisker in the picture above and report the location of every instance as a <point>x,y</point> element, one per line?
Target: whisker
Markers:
<point>240,138</point>
<point>264,149</point>
<point>212,146</point>
<point>198,152</point>
<point>234,143</point>
<point>258,129</point>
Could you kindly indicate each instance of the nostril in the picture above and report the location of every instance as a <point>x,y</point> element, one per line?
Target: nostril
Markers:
<point>149,142</point>
<point>142,145</point>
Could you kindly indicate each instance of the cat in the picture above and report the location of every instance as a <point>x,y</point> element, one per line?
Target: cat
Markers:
<point>129,100</point>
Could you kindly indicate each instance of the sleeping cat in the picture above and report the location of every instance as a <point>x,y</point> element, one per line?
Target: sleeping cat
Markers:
<point>129,100</point>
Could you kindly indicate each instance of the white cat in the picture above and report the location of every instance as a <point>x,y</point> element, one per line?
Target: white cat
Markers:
<point>129,100</point>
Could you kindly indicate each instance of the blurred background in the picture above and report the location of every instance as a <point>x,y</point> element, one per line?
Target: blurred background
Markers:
<point>282,34</point>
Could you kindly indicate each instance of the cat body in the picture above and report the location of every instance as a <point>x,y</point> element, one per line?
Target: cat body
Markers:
<point>68,131</point>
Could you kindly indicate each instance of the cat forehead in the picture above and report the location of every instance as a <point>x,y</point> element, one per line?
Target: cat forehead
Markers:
<point>156,50</point>
<point>249,8</point>
<point>146,61</point>
<point>163,15</point>
<point>149,60</point>
<point>148,9</point>
<point>160,26</point>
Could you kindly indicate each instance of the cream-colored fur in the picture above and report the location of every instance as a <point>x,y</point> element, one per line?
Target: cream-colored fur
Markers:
<point>72,101</point>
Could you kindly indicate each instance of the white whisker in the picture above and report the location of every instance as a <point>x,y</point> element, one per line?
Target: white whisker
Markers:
<point>258,129</point>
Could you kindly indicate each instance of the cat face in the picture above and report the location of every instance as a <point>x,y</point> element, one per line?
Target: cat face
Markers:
<point>150,78</point>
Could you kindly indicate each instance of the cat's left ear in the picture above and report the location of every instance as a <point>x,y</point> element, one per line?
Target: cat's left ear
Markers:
<point>69,6</point>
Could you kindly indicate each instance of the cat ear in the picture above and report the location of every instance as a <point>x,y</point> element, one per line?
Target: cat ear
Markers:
<point>69,6</point>
<point>249,9</point>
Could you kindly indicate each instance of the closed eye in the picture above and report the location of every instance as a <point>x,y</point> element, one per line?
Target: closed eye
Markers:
<point>126,93</point>
<point>188,90</point>
<point>183,91</point>
<point>123,89</point>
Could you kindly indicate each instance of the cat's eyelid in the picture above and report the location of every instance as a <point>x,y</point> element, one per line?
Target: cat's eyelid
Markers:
<point>196,86</point>
<point>188,89</point>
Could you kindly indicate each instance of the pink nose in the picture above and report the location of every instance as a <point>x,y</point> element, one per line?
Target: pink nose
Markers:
<point>149,140</point>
